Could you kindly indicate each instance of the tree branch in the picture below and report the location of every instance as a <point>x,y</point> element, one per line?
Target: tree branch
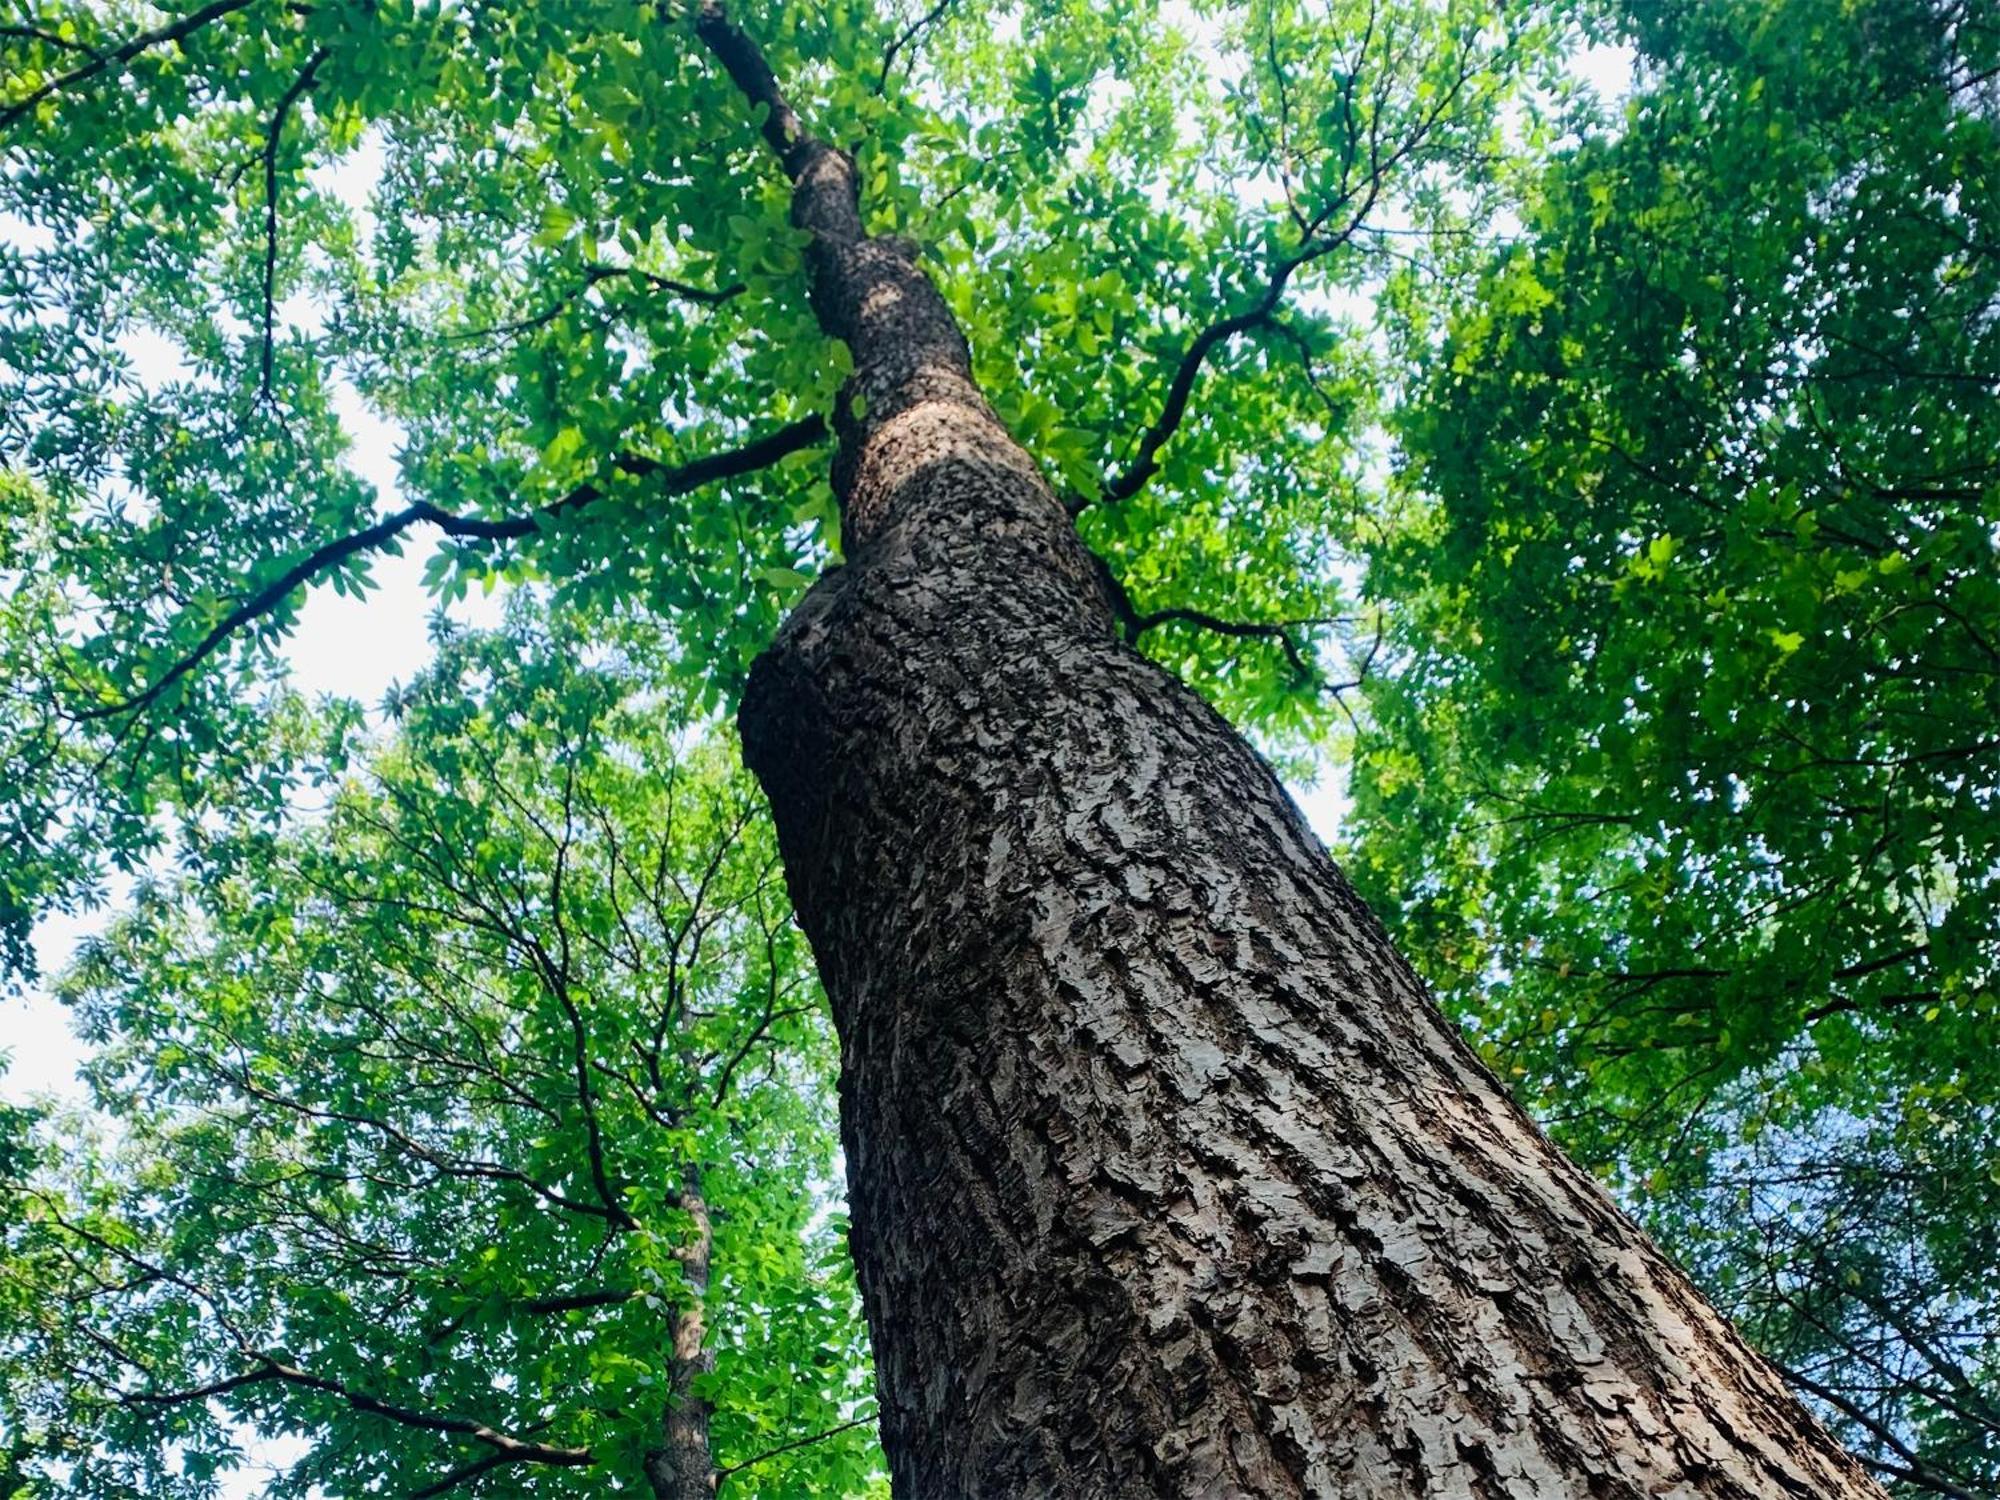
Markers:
<point>909,34</point>
<point>742,60</point>
<point>723,1474</point>
<point>1350,204</point>
<point>577,1301</point>
<point>272,138</point>
<point>48,38</point>
<point>507,1449</point>
<point>1918,1471</point>
<point>172,31</point>
<point>729,464</point>
<point>593,276</point>
<point>1265,630</point>
<point>460,1476</point>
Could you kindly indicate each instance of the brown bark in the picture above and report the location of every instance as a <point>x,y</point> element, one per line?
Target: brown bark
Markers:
<point>682,1467</point>
<point>1166,1175</point>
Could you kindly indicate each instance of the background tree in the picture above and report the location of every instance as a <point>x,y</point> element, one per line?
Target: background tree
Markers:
<point>1686,785</point>
<point>486,1132</point>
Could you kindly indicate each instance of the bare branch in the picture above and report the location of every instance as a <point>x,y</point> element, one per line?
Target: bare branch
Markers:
<point>731,463</point>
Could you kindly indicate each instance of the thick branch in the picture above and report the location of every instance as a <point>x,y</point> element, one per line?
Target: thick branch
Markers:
<point>744,63</point>
<point>577,1301</point>
<point>172,31</point>
<point>732,463</point>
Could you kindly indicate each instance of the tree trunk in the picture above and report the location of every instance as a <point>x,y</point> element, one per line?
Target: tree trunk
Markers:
<point>1167,1177</point>
<point>682,1467</point>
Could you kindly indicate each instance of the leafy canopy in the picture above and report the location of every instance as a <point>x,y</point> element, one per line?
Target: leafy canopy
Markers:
<point>572,286</point>
<point>399,1133</point>
<point>1687,789</point>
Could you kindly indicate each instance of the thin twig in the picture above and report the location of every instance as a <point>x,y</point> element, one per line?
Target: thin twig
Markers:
<point>272,139</point>
<point>722,1474</point>
<point>172,31</point>
<point>910,33</point>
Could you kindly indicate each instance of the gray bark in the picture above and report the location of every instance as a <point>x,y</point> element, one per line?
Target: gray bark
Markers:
<point>1166,1175</point>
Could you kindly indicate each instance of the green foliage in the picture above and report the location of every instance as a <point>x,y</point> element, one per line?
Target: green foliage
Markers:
<point>434,1059</point>
<point>1687,792</point>
<point>547,243</point>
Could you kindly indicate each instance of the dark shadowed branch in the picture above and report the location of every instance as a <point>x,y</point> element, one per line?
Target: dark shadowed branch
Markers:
<point>117,57</point>
<point>722,1475</point>
<point>908,35</point>
<point>1281,631</point>
<point>731,463</point>
<point>1367,163</point>
<point>596,275</point>
<point>273,138</point>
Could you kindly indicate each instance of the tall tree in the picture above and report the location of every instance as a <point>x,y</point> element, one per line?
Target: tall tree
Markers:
<point>1167,1177</point>
<point>1687,791</point>
<point>483,1135</point>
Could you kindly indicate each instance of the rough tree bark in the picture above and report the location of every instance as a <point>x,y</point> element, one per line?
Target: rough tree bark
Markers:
<point>683,1467</point>
<point>1167,1177</point>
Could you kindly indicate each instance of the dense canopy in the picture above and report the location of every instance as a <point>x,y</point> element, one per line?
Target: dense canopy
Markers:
<point>1609,486</point>
<point>1687,786</point>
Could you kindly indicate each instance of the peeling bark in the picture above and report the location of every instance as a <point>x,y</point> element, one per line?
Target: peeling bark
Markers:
<point>1167,1177</point>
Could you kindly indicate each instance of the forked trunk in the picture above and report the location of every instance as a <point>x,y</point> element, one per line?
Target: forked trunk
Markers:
<point>1167,1177</point>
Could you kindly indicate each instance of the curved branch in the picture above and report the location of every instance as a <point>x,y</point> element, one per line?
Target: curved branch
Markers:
<point>172,31</point>
<point>909,34</point>
<point>592,276</point>
<point>460,1476</point>
<point>1146,463</point>
<point>722,1474</point>
<point>1349,206</point>
<point>729,464</point>
<point>1262,630</point>
<point>507,1449</point>
<point>272,138</point>
<point>48,39</point>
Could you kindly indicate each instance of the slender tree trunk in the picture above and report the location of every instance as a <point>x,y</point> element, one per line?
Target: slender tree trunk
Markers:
<point>1167,1177</point>
<point>682,1467</point>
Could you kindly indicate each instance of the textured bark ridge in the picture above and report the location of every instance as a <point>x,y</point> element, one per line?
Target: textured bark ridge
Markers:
<point>682,1467</point>
<point>1167,1177</point>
